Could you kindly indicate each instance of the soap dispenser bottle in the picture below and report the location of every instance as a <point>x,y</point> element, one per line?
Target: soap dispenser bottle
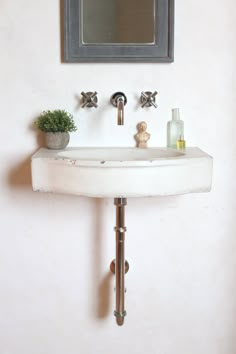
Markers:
<point>175,129</point>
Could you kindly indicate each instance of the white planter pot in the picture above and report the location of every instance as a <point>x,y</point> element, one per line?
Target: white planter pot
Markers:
<point>57,141</point>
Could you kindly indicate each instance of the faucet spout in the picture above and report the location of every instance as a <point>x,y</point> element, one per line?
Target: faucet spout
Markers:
<point>120,106</point>
<point>119,100</point>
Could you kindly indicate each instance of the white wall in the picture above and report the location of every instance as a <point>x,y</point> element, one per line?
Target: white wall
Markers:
<point>56,292</point>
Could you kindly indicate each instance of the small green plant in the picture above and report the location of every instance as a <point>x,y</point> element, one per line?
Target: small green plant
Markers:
<point>55,121</point>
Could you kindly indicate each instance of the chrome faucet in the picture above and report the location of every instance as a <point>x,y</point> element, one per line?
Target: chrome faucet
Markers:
<point>119,100</point>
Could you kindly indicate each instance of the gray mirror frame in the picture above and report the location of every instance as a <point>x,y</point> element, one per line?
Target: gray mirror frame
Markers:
<point>162,51</point>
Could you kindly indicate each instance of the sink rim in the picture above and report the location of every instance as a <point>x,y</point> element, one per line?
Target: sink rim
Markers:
<point>56,156</point>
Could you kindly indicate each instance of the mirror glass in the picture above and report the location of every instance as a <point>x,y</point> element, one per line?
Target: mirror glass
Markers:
<point>118,22</point>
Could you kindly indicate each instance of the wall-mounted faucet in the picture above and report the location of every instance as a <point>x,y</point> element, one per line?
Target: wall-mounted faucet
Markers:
<point>119,100</point>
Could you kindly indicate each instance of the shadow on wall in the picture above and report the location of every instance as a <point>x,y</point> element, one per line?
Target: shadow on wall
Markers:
<point>102,281</point>
<point>104,296</point>
<point>21,173</point>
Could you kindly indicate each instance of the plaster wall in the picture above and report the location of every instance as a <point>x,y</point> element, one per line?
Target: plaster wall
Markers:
<point>56,292</point>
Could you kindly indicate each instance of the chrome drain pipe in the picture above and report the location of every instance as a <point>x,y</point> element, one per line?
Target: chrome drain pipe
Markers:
<point>119,266</point>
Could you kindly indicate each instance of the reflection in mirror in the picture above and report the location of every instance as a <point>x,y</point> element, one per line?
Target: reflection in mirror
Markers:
<point>118,21</point>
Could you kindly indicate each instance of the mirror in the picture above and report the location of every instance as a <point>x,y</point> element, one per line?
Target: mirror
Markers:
<point>118,21</point>
<point>118,30</point>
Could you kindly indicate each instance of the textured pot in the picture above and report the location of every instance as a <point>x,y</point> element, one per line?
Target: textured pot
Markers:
<point>57,141</point>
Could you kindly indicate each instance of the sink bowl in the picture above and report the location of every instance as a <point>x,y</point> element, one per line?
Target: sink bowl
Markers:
<point>121,172</point>
<point>119,154</point>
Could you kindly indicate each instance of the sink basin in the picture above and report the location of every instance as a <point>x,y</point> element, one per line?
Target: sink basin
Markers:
<point>119,154</point>
<point>121,172</point>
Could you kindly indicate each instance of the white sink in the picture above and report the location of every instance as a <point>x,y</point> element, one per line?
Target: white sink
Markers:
<point>121,172</point>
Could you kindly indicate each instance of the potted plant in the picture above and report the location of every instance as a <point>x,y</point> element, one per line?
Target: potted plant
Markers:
<point>56,124</point>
